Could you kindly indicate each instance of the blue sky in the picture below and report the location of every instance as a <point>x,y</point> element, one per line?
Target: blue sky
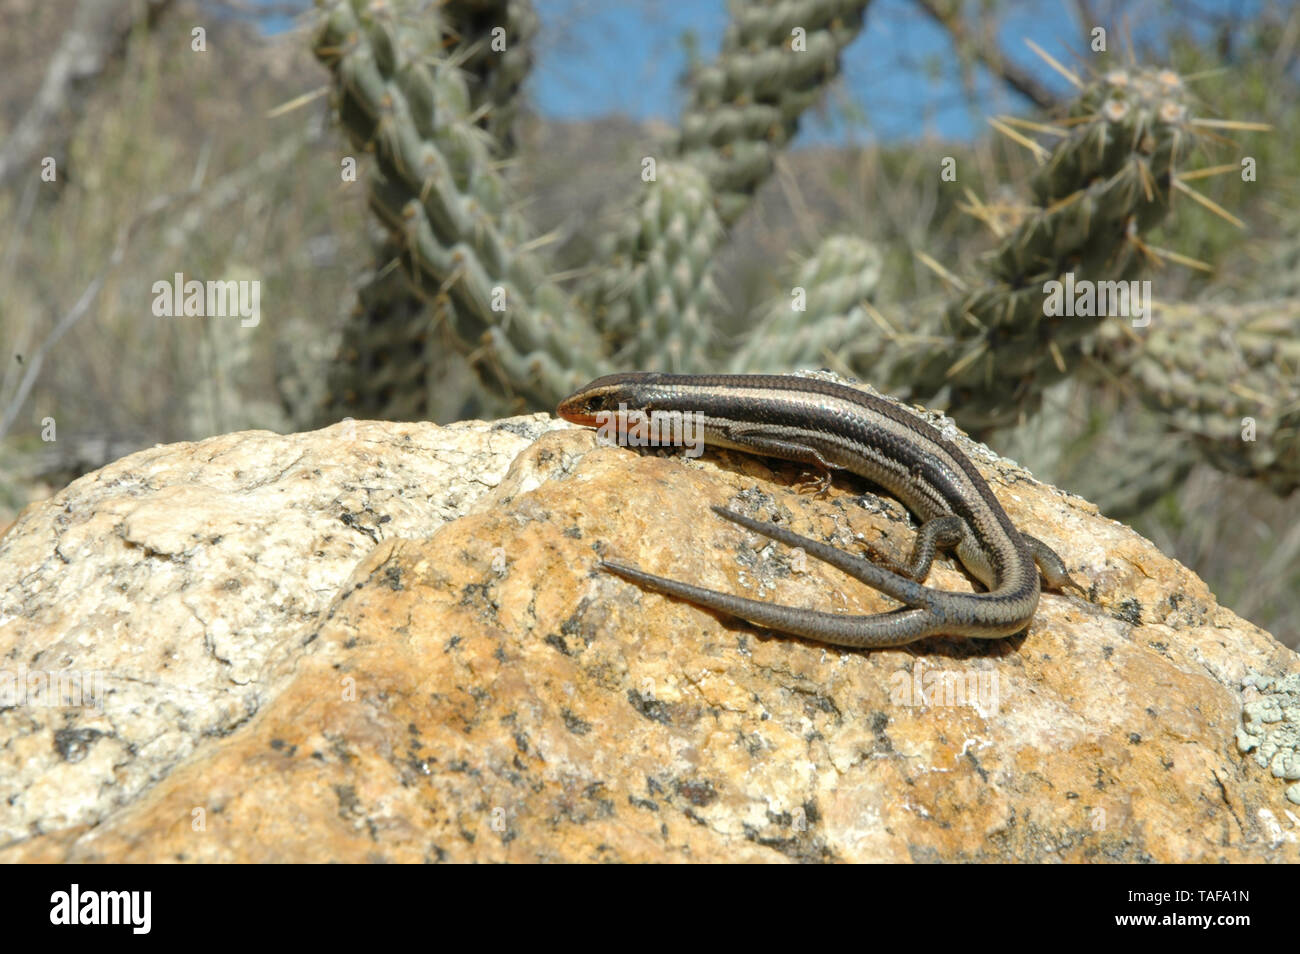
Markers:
<point>603,57</point>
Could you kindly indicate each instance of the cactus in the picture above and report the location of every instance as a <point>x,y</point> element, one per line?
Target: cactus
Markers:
<point>1108,180</point>
<point>480,28</point>
<point>837,279</point>
<point>775,61</point>
<point>392,362</point>
<point>436,187</point>
<point>655,292</point>
<point>432,98</point>
<point>652,294</point>
<point>384,360</point>
<point>437,190</point>
<point>1228,376</point>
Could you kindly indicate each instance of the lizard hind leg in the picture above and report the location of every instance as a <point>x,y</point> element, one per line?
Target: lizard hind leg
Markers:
<point>916,619</point>
<point>891,583</point>
<point>1051,566</point>
<point>938,533</point>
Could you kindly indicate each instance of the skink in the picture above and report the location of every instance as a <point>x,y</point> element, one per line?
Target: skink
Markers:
<point>832,426</point>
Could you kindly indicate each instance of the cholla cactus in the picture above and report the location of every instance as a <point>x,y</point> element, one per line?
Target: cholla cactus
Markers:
<point>436,187</point>
<point>491,41</point>
<point>835,284</point>
<point>1108,180</point>
<point>656,292</point>
<point>776,59</point>
<point>429,89</point>
<point>385,357</point>
<point>1227,376</point>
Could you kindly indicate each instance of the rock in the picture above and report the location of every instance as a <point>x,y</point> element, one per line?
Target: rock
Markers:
<point>280,688</point>
<point>1271,726</point>
<point>164,586</point>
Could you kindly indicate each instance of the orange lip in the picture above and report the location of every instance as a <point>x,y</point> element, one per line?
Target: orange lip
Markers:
<point>574,416</point>
<point>571,409</point>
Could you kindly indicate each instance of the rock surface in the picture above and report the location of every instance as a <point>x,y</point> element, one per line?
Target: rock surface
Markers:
<point>279,688</point>
<point>165,585</point>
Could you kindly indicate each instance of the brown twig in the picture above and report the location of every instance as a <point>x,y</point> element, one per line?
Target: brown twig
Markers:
<point>990,55</point>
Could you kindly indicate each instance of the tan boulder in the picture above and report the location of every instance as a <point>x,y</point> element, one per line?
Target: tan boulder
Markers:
<point>279,688</point>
